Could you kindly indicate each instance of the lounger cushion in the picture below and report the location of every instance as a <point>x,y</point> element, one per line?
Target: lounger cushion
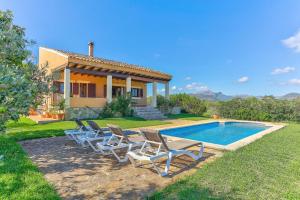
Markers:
<point>182,144</point>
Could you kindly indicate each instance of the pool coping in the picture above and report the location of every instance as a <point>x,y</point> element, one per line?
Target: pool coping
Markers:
<point>235,145</point>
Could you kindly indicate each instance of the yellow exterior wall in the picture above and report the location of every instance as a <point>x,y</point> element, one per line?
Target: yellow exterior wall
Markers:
<point>90,102</point>
<point>53,59</point>
<point>100,82</point>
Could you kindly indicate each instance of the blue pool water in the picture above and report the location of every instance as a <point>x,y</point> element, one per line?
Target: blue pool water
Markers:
<point>217,132</point>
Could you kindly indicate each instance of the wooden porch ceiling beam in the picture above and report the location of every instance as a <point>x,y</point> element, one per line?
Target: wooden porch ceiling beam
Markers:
<point>117,75</point>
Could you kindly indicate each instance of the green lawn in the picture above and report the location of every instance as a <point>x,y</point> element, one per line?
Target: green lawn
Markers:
<point>187,116</point>
<point>266,169</point>
<point>27,129</point>
<point>19,177</point>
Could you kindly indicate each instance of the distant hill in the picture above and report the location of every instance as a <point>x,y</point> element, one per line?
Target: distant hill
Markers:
<point>289,96</point>
<point>212,96</point>
<point>219,96</point>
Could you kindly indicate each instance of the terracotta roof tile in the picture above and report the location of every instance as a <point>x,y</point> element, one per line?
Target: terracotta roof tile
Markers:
<point>110,62</point>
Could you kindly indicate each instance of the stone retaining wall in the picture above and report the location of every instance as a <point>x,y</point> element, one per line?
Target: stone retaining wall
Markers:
<point>82,113</point>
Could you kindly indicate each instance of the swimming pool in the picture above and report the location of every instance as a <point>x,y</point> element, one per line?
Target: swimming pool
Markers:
<point>220,133</point>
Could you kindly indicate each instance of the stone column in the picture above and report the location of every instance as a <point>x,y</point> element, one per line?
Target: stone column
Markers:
<point>109,88</point>
<point>67,87</point>
<point>154,94</point>
<point>128,85</point>
<point>167,90</point>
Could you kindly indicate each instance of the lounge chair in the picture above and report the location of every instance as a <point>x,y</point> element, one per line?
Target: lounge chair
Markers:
<point>96,134</point>
<point>80,130</point>
<point>155,148</point>
<point>119,140</point>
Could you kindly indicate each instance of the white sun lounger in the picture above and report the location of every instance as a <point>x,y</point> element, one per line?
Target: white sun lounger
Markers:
<point>97,134</point>
<point>155,148</point>
<point>85,135</point>
<point>119,141</point>
<point>80,130</point>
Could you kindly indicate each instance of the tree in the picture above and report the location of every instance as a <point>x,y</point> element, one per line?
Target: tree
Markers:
<point>23,84</point>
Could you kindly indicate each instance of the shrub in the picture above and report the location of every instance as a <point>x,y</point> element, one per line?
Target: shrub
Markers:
<point>119,107</point>
<point>163,102</point>
<point>212,108</point>
<point>267,108</point>
<point>122,105</point>
<point>107,111</point>
<point>188,104</point>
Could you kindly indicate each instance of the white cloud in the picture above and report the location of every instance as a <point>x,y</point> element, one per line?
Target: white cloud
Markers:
<point>293,42</point>
<point>283,70</point>
<point>188,78</point>
<point>243,79</point>
<point>161,91</point>
<point>196,87</point>
<point>174,87</point>
<point>294,81</point>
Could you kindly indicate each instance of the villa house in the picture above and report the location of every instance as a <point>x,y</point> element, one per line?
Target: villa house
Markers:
<point>86,82</point>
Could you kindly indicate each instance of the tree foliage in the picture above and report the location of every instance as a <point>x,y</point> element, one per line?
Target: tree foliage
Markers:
<point>188,104</point>
<point>23,83</point>
<point>267,108</point>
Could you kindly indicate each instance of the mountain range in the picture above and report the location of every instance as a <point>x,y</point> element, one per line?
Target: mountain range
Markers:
<point>219,96</point>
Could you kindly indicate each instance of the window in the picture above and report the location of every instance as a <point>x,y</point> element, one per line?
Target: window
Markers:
<point>83,89</point>
<point>75,89</point>
<point>137,92</point>
<point>91,90</point>
<point>117,91</point>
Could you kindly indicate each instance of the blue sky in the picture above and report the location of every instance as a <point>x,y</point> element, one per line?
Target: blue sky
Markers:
<point>237,47</point>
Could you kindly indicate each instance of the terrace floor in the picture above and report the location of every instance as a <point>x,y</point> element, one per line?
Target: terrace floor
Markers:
<point>79,173</point>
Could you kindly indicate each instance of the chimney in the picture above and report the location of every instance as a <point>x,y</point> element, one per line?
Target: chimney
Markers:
<point>91,49</point>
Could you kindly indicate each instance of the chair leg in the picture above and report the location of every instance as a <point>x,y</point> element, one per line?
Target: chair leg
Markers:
<point>132,161</point>
<point>92,146</point>
<point>168,163</point>
<point>125,159</point>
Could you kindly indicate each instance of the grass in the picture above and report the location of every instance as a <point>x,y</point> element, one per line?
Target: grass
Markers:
<point>187,116</point>
<point>20,179</point>
<point>266,169</point>
<point>30,130</point>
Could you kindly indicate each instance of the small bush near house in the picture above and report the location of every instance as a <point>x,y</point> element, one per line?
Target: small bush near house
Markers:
<point>119,107</point>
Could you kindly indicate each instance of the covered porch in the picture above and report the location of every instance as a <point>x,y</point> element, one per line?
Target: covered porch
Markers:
<point>89,86</point>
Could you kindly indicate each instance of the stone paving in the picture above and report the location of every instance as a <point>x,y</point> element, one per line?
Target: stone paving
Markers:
<point>79,173</point>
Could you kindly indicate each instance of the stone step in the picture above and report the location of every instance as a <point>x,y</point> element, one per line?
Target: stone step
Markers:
<point>148,113</point>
